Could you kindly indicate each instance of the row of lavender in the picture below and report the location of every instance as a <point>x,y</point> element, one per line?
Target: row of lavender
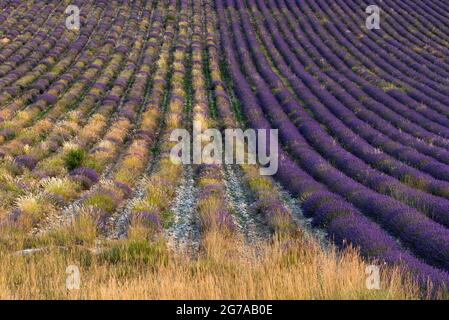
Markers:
<point>432,206</point>
<point>105,80</point>
<point>85,117</point>
<point>78,132</point>
<point>320,164</point>
<point>369,176</point>
<point>204,89</point>
<point>435,201</point>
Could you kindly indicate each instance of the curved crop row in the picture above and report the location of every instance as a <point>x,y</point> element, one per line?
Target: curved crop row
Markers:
<point>298,182</point>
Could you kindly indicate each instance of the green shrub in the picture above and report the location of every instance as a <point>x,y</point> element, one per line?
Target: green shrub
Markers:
<point>74,158</point>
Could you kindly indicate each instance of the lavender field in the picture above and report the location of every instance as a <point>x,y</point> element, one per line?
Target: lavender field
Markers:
<point>92,205</point>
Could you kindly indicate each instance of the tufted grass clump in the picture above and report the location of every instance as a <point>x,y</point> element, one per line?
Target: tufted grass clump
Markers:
<point>74,158</point>
<point>101,201</point>
<point>63,187</point>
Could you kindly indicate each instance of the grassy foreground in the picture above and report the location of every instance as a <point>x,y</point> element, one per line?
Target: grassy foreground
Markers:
<point>292,267</point>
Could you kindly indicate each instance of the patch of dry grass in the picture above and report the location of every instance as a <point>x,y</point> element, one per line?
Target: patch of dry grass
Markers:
<point>287,268</point>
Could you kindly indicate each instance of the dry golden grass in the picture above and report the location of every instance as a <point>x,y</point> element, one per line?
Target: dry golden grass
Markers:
<point>293,268</point>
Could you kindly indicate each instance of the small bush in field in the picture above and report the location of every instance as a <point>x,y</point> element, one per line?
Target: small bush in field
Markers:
<point>74,158</point>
